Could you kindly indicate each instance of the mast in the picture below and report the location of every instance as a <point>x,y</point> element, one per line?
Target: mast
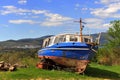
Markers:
<point>81,28</point>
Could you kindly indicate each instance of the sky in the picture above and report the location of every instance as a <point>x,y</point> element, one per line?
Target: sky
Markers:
<point>36,18</point>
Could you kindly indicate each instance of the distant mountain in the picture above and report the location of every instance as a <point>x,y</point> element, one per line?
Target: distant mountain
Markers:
<point>24,43</point>
<point>37,42</point>
<point>103,38</point>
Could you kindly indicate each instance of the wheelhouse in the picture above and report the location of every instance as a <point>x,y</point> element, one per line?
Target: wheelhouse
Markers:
<point>65,38</point>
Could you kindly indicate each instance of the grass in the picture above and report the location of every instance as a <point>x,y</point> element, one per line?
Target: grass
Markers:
<point>93,72</point>
<point>104,72</point>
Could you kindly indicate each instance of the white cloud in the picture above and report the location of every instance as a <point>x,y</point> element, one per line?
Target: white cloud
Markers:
<point>56,17</point>
<point>55,20</point>
<point>110,11</point>
<point>96,23</point>
<point>49,23</point>
<point>9,7</point>
<point>51,19</point>
<point>91,20</point>
<point>116,15</point>
<point>14,10</point>
<point>106,25</point>
<point>109,1</point>
<point>39,11</point>
<point>22,1</point>
<point>21,21</point>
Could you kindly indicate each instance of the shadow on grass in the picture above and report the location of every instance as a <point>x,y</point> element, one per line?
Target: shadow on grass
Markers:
<point>100,73</point>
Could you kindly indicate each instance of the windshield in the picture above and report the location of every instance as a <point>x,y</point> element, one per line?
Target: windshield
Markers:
<point>73,38</point>
<point>59,39</point>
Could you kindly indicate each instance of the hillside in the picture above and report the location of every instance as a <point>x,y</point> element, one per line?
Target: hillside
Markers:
<point>23,43</point>
<point>37,42</point>
<point>103,38</point>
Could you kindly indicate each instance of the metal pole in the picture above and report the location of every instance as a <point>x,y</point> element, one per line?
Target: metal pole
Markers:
<point>81,36</point>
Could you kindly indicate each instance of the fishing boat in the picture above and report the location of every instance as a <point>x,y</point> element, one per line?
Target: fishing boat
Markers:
<point>68,51</point>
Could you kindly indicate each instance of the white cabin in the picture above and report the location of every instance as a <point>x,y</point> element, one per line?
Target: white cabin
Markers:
<point>65,38</point>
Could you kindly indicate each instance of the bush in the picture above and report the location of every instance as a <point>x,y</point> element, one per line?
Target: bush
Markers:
<point>22,56</point>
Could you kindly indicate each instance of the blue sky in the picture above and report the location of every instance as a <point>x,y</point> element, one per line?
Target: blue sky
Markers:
<point>35,18</point>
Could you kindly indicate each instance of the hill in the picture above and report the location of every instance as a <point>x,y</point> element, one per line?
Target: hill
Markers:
<point>103,38</point>
<point>24,43</point>
<point>37,42</point>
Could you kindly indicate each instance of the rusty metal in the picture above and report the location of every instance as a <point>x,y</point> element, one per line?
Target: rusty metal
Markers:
<point>53,62</point>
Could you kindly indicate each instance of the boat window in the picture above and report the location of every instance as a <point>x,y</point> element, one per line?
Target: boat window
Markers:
<point>59,39</point>
<point>86,40</point>
<point>51,40</point>
<point>73,38</point>
<point>46,42</point>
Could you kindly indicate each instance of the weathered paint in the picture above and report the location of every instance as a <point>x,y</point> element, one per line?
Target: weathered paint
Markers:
<point>79,65</point>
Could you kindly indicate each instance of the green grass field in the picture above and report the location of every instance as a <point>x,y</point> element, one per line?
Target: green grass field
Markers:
<point>93,72</point>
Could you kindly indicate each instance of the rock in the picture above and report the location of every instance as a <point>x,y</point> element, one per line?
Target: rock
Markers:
<point>1,62</point>
<point>12,68</point>
<point>6,66</point>
<point>1,65</point>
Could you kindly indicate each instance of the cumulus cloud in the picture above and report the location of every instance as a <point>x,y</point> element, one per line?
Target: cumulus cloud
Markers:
<point>106,25</point>
<point>21,21</point>
<point>14,10</point>
<point>54,19</point>
<point>91,20</point>
<point>22,1</point>
<point>109,1</point>
<point>49,23</point>
<point>39,11</point>
<point>111,11</point>
<point>51,19</point>
<point>96,23</point>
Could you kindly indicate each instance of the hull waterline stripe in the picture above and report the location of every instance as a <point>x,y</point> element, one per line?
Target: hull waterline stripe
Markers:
<point>67,49</point>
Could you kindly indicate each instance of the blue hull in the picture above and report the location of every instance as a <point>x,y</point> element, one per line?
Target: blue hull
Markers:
<point>71,50</point>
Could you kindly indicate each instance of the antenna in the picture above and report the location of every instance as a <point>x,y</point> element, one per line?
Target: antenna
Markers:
<point>81,28</point>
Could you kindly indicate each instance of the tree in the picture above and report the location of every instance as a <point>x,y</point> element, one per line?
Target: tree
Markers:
<point>114,34</point>
<point>109,55</point>
<point>114,42</point>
